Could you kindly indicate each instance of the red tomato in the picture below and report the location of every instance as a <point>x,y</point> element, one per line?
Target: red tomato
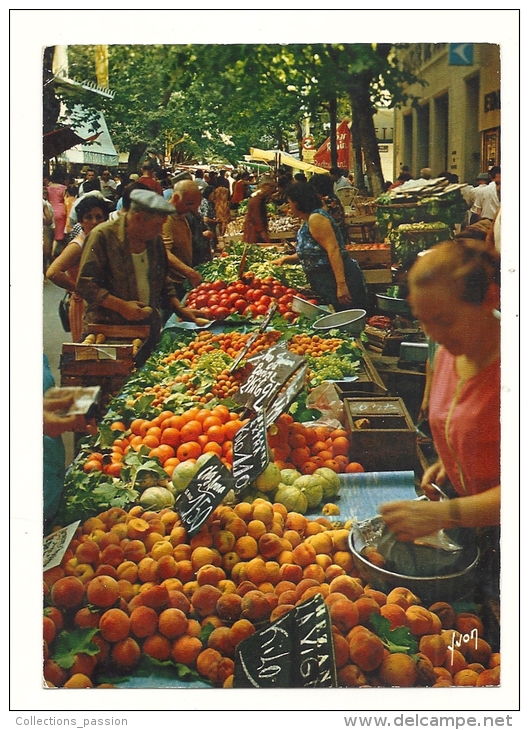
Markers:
<point>285,299</point>
<point>267,290</point>
<point>239,305</point>
<point>261,309</point>
<point>201,301</point>
<point>214,300</point>
<point>278,291</point>
<point>218,285</point>
<point>222,312</point>
<point>265,301</point>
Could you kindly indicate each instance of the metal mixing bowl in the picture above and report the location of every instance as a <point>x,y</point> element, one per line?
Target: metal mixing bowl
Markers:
<point>450,587</point>
<point>351,321</point>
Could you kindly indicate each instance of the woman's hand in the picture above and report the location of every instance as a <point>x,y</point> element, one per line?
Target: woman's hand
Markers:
<point>435,473</point>
<point>343,295</point>
<point>412,519</point>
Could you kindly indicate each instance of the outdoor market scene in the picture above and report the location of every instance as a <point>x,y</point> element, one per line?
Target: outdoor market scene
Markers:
<point>271,395</point>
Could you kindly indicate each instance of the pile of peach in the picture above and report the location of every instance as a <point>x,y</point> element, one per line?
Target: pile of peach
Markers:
<point>149,589</point>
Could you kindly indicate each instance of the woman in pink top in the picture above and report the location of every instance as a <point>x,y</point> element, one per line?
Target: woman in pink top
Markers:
<point>454,293</point>
<point>56,194</point>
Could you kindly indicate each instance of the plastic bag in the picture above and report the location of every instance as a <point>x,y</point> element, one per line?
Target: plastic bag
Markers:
<point>325,398</point>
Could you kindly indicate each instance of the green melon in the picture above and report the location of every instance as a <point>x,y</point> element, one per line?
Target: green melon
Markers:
<point>329,480</point>
<point>289,476</point>
<point>292,498</point>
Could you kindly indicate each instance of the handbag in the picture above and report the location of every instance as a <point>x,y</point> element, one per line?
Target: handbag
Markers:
<point>64,311</point>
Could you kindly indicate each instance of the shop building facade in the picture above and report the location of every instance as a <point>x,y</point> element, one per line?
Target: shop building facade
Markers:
<point>455,126</point>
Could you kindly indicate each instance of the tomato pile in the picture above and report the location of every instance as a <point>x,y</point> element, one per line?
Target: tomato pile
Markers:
<point>250,297</point>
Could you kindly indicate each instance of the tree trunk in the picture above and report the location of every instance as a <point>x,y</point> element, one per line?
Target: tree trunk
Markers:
<point>363,112</point>
<point>357,162</point>
<point>136,152</point>
<point>299,138</point>
<point>333,117</point>
<point>51,106</point>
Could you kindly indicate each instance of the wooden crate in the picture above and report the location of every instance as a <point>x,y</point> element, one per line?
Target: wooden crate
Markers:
<point>115,357</point>
<point>377,276</point>
<point>369,257</point>
<point>390,442</point>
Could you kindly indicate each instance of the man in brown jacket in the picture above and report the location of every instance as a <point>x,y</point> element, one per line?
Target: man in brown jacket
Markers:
<point>256,221</point>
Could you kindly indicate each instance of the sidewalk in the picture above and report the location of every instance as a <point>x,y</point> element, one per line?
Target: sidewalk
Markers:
<point>53,338</point>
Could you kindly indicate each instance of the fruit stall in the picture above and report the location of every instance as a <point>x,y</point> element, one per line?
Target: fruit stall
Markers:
<point>220,529</point>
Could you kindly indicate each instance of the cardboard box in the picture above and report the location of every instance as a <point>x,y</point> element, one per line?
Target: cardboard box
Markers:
<point>389,440</point>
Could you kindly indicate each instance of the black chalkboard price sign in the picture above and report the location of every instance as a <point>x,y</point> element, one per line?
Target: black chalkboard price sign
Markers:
<point>250,452</point>
<point>294,651</point>
<point>204,492</point>
<point>272,369</point>
<point>287,394</point>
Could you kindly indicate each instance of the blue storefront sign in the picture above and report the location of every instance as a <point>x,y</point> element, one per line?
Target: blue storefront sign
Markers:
<point>460,54</point>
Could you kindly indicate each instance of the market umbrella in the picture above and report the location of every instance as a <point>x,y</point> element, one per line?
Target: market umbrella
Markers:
<point>285,159</point>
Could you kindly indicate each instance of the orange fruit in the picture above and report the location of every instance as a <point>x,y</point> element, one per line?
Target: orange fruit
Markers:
<point>114,469</point>
<point>170,436</point>
<point>231,428</point>
<point>189,450</point>
<point>210,421</point>
<point>354,467</point>
<point>118,426</point>
<point>203,414</point>
<point>190,431</point>
<point>190,415</point>
<point>339,432</point>
<point>139,427</point>
<point>151,440</point>
<point>340,445</point>
<point>221,412</point>
<point>92,465</point>
<point>216,433</point>
<point>300,456</point>
<point>213,447</point>
<point>332,464</point>
<point>318,446</point>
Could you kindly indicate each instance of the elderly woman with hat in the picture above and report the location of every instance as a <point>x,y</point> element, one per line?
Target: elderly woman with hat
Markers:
<point>123,270</point>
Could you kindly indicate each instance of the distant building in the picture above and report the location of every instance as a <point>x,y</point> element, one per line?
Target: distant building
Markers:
<point>456,125</point>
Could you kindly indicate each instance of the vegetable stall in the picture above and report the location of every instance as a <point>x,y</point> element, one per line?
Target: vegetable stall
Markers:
<point>222,515</point>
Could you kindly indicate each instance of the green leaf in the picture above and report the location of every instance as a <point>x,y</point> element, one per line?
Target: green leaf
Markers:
<point>206,631</point>
<point>398,641</point>
<point>69,643</point>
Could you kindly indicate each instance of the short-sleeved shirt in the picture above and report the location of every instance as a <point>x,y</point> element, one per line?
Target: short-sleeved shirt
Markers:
<point>464,417</point>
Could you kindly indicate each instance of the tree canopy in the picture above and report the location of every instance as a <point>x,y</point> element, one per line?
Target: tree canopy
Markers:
<point>214,102</point>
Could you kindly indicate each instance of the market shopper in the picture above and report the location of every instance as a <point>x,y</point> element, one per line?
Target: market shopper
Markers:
<point>56,195</point>
<point>123,275</point>
<point>178,238</point>
<point>339,178</point>
<point>221,200</point>
<point>454,293</point>
<point>240,190</point>
<point>334,277</point>
<point>208,211</point>
<point>147,178</point>
<point>48,229</point>
<point>64,269</point>
<point>256,221</point>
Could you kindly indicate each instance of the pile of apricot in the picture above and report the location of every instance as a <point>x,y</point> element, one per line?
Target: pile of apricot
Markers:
<point>148,588</point>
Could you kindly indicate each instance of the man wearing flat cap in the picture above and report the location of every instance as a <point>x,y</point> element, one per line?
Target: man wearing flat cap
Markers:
<point>123,274</point>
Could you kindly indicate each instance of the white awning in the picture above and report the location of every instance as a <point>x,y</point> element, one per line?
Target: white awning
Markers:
<point>283,158</point>
<point>99,152</point>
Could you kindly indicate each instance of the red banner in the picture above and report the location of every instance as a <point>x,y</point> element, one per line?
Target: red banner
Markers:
<point>343,148</point>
